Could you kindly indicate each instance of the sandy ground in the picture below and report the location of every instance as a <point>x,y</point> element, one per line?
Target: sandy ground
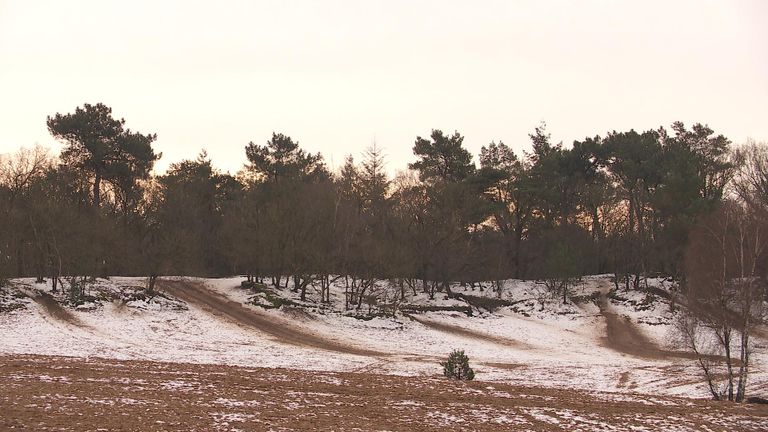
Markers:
<point>65,394</point>
<point>624,337</point>
<point>54,309</point>
<point>196,293</point>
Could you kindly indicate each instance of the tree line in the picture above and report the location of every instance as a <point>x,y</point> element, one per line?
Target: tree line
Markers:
<point>623,203</point>
<point>679,202</point>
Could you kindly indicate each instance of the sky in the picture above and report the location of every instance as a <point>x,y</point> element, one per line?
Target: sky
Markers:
<point>338,75</point>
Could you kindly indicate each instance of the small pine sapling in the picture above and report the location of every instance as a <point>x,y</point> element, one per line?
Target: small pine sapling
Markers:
<point>457,366</point>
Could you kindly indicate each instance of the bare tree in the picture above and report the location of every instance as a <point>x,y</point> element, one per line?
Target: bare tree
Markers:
<point>18,170</point>
<point>750,183</point>
<point>725,268</point>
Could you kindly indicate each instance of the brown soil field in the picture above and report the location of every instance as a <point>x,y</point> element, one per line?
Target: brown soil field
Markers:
<point>43,393</point>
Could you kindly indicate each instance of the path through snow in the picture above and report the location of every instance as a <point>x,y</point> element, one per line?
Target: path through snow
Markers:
<point>197,294</point>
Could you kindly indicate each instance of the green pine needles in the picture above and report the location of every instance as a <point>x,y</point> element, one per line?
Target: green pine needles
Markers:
<point>457,366</point>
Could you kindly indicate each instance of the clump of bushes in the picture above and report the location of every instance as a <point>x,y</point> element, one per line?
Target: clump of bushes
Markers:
<point>247,284</point>
<point>270,300</point>
<point>593,297</point>
<point>10,301</point>
<point>457,366</point>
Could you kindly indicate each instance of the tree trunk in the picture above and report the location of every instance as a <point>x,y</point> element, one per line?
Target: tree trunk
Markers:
<point>301,282</point>
<point>151,287</point>
<point>97,190</point>
<point>518,241</point>
<point>361,293</point>
<point>346,294</point>
<point>565,292</point>
<point>19,261</point>
<point>447,288</point>
<point>744,366</point>
<point>728,361</point>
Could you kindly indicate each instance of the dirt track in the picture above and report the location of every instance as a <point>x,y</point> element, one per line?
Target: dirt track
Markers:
<point>65,394</point>
<point>622,336</point>
<point>470,334</point>
<point>197,294</point>
<point>54,309</point>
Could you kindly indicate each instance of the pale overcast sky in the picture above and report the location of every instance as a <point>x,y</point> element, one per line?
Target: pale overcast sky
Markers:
<point>335,75</point>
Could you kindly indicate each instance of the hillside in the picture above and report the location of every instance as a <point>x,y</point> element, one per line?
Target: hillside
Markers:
<point>603,341</point>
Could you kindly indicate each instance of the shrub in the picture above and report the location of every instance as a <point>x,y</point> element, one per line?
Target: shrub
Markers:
<point>457,366</point>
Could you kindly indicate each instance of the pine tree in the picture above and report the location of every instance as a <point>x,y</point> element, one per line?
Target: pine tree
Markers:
<point>281,158</point>
<point>373,183</point>
<point>457,366</point>
<point>442,159</point>
<point>103,149</point>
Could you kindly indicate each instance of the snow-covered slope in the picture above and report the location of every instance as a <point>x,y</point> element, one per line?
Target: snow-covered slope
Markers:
<point>533,340</point>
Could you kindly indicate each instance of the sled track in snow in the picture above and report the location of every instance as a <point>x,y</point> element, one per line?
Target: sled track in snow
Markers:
<point>197,294</point>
